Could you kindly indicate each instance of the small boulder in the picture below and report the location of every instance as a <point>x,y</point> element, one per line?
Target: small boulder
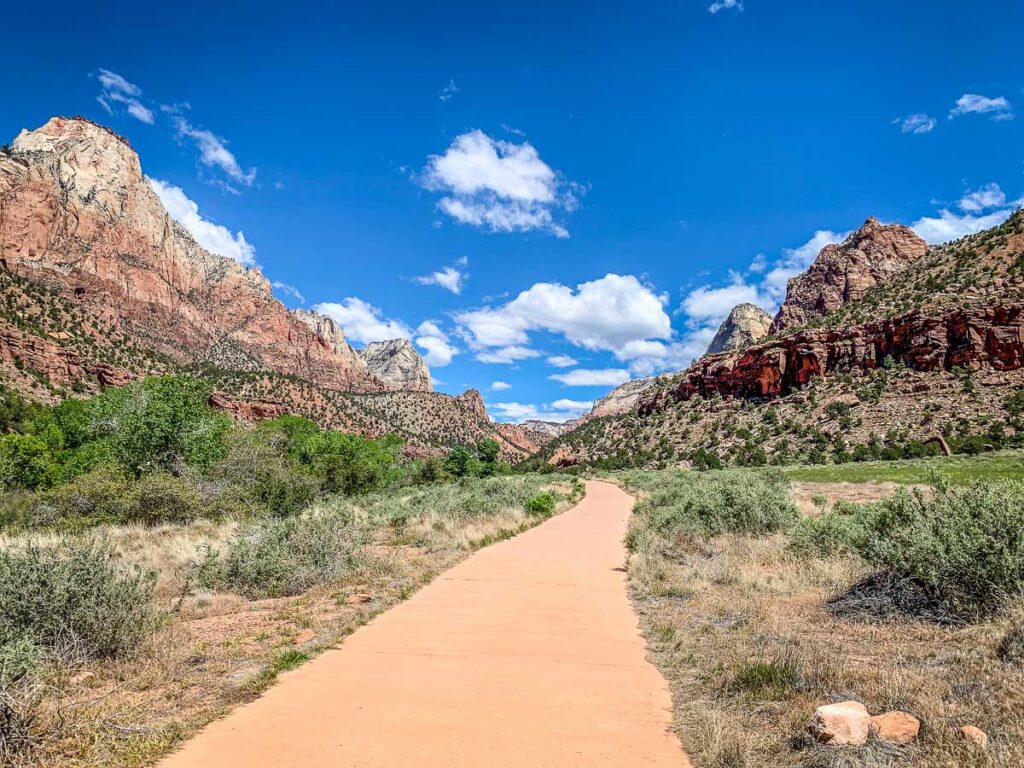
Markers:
<point>975,735</point>
<point>840,725</point>
<point>304,637</point>
<point>358,599</point>
<point>895,727</point>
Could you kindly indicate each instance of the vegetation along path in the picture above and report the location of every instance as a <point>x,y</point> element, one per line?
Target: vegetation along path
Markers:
<point>526,654</point>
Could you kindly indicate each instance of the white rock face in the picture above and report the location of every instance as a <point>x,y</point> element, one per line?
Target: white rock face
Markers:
<point>745,325</point>
<point>397,363</point>
<point>623,398</point>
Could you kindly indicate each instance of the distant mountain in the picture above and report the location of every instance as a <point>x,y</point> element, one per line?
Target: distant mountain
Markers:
<point>745,324</point>
<point>882,347</point>
<point>100,285</point>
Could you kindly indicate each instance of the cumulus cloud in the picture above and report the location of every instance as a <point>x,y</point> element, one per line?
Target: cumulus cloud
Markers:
<point>289,290</point>
<point>980,209</point>
<point>584,377</point>
<point>451,278</point>
<point>499,185</point>
<point>438,349</point>
<point>562,361</point>
<point>604,314</point>
<point>499,386</point>
<point>997,108</point>
<point>118,90</point>
<point>988,196</point>
<point>363,322</point>
<point>213,152</point>
<point>558,411</point>
<point>916,124</point>
<point>725,5</point>
<point>507,355</point>
<point>213,237</point>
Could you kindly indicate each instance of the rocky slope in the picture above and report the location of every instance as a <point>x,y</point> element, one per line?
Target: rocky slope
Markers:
<point>397,363</point>
<point>745,325</point>
<point>78,216</point>
<point>100,286</point>
<point>902,345</point>
<point>844,273</point>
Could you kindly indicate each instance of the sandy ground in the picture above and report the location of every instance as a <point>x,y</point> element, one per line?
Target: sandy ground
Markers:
<point>526,654</point>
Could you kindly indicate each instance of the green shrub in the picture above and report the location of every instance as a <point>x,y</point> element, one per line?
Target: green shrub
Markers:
<point>830,534</point>
<point>282,556</point>
<point>964,543</point>
<point>257,477</point>
<point>712,503</point>
<point>541,505</point>
<point>97,497</point>
<point>73,600</point>
<point>160,497</point>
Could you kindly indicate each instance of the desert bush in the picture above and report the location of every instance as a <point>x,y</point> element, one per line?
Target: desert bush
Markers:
<point>73,599</point>
<point>276,557</point>
<point>541,505</point>
<point>964,543</point>
<point>962,546</point>
<point>258,477</point>
<point>712,503</point>
<point>831,533</point>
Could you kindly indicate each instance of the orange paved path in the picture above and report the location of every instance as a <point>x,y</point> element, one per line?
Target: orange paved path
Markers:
<point>526,654</point>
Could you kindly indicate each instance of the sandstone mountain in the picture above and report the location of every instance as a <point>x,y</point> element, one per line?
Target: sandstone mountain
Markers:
<point>80,219</point>
<point>844,273</point>
<point>623,398</point>
<point>473,402</point>
<point>745,324</point>
<point>397,363</point>
<point>100,286</point>
<point>884,346</point>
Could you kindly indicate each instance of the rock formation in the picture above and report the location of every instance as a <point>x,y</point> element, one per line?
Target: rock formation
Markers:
<point>78,216</point>
<point>397,363</point>
<point>473,402</point>
<point>845,272</point>
<point>970,338</point>
<point>623,398</point>
<point>745,325</point>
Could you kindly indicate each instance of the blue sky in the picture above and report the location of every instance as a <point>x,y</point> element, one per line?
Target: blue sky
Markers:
<point>547,197</point>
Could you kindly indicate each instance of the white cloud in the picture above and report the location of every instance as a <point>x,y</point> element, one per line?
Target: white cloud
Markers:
<point>972,103</point>
<point>507,355</point>
<point>118,90</point>
<point>439,350</point>
<point>363,322</point>
<point>989,196</point>
<point>499,185</point>
<point>583,377</point>
<point>949,225</point>
<point>213,237</point>
<point>916,124</point>
<point>558,411</point>
<point>562,361</point>
<point>724,5</point>
<point>499,386</point>
<point>448,91</point>
<point>213,152</point>
<point>450,278</point>
<point>289,290</point>
<point>604,314</point>
<point>712,305</point>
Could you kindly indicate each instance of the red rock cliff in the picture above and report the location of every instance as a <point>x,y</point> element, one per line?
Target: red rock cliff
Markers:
<point>77,215</point>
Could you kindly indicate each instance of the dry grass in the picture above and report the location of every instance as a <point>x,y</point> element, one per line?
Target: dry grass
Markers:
<point>217,650</point>
<point>739,628</point>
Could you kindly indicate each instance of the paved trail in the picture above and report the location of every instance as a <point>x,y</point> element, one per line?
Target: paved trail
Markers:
<point>526,654</point>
